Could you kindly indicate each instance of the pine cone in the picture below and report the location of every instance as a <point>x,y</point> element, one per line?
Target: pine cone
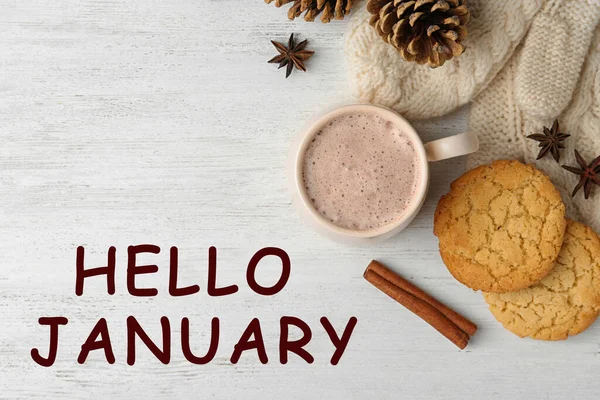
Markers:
<point>425,31</point>
<point>328,9</point>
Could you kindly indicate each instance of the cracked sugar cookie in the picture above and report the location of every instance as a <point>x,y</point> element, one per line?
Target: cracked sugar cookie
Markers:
<point>564,303</point>
<point>501,227</point>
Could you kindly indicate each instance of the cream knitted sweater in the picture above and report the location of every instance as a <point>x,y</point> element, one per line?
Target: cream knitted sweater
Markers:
<point>554,74</point>
<point>502,126</point>
<point>378,74</point>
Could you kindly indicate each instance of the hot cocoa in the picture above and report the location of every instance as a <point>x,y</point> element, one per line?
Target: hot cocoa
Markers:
<point>361,171</point>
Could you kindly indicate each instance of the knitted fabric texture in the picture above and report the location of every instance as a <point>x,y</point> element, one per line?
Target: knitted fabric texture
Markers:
<point>502,128</point>
<point>378,74</point>
<point>553,55</point>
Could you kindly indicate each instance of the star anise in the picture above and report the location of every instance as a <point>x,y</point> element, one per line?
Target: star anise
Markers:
<point>292,55</point>
<point>550,141</point>
<point>589,173</point>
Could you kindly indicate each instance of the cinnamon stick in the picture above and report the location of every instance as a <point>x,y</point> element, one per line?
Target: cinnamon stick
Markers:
<point>421,304</point>
<point>463,323</point>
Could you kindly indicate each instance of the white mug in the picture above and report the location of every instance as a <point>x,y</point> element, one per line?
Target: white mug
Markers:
<point>436,150</point>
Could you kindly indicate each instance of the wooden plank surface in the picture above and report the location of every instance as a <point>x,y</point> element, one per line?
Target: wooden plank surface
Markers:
<point>145,121</point>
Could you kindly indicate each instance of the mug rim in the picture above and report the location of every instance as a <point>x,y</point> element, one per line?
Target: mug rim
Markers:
<point>415,204</point>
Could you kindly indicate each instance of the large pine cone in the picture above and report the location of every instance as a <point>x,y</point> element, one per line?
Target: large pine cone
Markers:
<point>328,9</point>
<point>425,31</point>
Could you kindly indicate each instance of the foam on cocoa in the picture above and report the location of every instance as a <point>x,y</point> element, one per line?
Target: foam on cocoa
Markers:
<point>361,171</point>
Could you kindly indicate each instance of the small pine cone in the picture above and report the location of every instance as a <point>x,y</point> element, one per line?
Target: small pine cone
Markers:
<point>328,9</point>
<point>425,31</point>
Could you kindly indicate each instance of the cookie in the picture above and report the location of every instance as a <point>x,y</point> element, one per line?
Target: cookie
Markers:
<point>501,227</point>
<point>565,302</point>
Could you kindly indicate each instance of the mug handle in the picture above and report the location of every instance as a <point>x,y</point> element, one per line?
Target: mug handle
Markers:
<point>453,146</point>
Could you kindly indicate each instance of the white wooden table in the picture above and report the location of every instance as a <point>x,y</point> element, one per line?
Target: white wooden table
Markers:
<point>144,121</point>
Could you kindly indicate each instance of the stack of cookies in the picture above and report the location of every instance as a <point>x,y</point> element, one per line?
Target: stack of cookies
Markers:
<point>502,230</point>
